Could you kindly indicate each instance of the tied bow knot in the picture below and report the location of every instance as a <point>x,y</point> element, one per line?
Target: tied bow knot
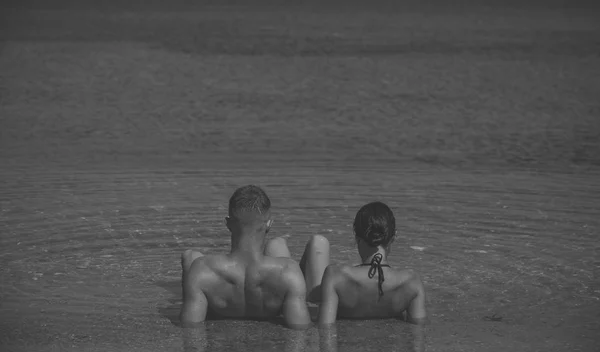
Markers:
<point>376,268</point>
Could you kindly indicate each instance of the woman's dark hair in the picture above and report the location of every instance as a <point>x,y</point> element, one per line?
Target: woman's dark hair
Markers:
<point>375,224</point>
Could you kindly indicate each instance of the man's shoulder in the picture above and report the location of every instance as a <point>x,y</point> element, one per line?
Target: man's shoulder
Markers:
<point>286,272</point>
<point>290,268</point>
<point>204,268</point>
<point>281,265</point>
<point>282,262</point>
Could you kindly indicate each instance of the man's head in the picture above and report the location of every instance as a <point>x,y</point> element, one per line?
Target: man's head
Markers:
<point>249,210</point>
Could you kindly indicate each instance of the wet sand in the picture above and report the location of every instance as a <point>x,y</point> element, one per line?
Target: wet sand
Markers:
<point>125,132</point>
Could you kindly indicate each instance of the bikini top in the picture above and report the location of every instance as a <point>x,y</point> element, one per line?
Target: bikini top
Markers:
<point>375,266</point>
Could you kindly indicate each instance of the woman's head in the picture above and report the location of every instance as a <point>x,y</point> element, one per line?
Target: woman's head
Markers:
<point>375,224</point>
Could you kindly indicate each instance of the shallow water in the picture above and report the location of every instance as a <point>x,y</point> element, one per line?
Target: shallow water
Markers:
<point>108,118</point>
<point>90,254</point>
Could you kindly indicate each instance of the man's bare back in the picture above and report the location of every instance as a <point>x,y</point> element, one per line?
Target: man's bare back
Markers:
<point>237,286</point>
<point>244,283</point>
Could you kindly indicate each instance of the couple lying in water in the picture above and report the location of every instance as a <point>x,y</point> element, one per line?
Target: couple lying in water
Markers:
<point>258,281</point>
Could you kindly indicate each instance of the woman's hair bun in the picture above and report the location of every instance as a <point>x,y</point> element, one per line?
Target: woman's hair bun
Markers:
<point>375,224</point>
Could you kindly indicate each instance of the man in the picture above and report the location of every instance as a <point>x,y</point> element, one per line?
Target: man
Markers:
<point>245,283</point>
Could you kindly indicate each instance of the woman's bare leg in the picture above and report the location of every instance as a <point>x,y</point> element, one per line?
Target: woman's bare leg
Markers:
<point>313,264</point>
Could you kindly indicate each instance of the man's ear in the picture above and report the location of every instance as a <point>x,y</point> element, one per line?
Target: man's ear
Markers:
<point>268,225</point>
<point>227,222</point>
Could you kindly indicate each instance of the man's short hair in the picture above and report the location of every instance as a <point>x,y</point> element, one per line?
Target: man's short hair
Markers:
<point>249,202</point>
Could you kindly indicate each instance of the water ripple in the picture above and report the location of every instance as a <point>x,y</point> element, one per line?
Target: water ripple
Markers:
<point>78,243</point>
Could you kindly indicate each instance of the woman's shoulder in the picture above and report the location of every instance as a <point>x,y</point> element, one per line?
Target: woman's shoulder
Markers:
<point>336,271</point>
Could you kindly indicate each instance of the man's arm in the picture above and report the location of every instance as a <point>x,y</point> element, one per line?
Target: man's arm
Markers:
<point>329,297</point>
<point>295,311</point>
<point>195,305</point>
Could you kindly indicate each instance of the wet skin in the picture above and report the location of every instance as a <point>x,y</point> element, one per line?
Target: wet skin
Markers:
<point>348,292</point>
<point>243,285</point>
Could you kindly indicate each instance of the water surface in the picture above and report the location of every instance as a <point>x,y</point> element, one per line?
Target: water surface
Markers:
<point>124,129</point>
<point>91,254</point>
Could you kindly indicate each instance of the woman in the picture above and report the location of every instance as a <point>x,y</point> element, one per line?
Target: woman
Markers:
<point>371,289</point>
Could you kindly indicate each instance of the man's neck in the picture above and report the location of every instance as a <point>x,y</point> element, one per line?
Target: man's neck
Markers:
<point>248,244</point>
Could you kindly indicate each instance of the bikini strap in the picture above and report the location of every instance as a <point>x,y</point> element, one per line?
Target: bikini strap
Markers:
<point>376,268</point>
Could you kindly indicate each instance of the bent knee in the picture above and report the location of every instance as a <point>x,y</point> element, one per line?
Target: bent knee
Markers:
<point>277,242</point>
<point>319,242</point>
